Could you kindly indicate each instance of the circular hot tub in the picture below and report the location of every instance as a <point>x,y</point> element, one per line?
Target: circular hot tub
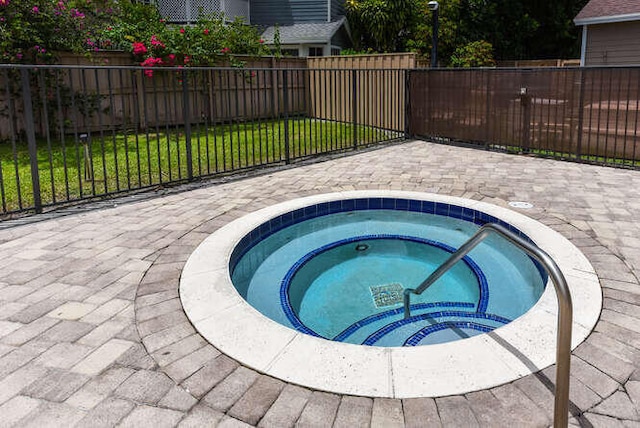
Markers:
<point>310,291</point>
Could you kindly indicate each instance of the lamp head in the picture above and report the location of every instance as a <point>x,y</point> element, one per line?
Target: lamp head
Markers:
<point>433,5</point>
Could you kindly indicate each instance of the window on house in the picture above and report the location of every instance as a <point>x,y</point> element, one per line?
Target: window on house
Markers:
<point>315,51</point>
<point>335,51</point>
<point>290,52</point>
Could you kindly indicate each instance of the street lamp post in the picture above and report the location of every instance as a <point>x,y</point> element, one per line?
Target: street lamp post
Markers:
<point>433,7</point>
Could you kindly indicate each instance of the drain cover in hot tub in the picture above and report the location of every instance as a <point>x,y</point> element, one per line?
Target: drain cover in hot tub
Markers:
<point>386,295</point>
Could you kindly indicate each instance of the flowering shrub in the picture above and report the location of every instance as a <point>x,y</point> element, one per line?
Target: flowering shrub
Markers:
<point>209,42</point>
<point>30,30</point>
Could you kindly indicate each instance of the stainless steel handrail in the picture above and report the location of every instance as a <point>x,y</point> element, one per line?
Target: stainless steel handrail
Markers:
<point>565,307</point>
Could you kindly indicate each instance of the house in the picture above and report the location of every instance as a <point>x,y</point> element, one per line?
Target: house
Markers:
<point>610,32</point>
<point>304,27</point>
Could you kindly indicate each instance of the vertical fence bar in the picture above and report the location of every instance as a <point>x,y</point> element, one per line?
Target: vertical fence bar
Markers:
<point>354,107</point>
<point>285,102</point>
<point>187,124</point>
<point>580,114</point>
<point>407,104</point>
<point>31,139</point>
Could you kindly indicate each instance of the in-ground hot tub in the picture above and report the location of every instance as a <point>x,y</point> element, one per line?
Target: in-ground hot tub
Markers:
<point>334,267</point>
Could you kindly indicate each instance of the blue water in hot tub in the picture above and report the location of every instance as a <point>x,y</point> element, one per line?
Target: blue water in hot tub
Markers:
<point>340,276</point>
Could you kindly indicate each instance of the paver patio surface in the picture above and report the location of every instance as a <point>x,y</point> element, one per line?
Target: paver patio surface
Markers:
<point>92,332</point>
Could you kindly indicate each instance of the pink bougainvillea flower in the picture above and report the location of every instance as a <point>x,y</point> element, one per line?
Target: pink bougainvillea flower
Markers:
<point>261,41</point>
<point>182,31</point>
<point>19,55</point>
<point>187,58</point>
<point>75,13</point>
<point>138,48</point>
<point>206,31</point>
<point>225,50</point>
<point>35,10</point>
<point>4,2</point>
<point>155,42</point>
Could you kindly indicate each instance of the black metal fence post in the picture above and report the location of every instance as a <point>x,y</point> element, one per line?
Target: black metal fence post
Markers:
<point>285,101</point>
<point>187,123</point>
<point>580,114</point>
<point>31,139</point>
<point>407,103</point>
<point>354,107</point>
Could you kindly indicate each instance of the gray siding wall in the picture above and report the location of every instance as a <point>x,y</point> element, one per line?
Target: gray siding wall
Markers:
<point>285,12</point>
<point>613,44</point>
<point>337,9</point>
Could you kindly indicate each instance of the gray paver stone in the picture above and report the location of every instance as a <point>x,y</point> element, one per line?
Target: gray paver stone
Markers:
<point>144,386</point>
<point>106,414</point>
<point>53,415</point>
<point>613,366</point>
<point>201,417</point>
<point>189,364</point>
<point>320,410</point>
<point>455,412</point>
<point>29,331</point>
<point>146,416</point>
<point>17,408</point>
<point>56,385</point>
<point>210,375</point>
<point>252,406</point>
<point>179,399</point>
<point>419,412</point>
<point>387,412</point>
<point>287,408</point>
<point>227,392</point>
<point>618,406</point>
<point>597,420</point>
<point>353,412</point>
<point>67,331</point>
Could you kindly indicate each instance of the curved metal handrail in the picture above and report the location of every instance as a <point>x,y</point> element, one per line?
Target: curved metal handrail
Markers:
<point>565,307</point>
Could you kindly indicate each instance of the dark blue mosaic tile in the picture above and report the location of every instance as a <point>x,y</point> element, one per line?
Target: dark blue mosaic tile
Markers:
<point>335,207</point>
<point>415,206</point>
<point>323,208</point>
<point>348,205</point>
<point>362,204</point>
<point>375,203</point>
<point>428,207</point>
<point>402,204</point>
<point>455,211</point>
<point>310,212</point>
<point>442,209</point>
<point>388,203</point>
<point>298,214</point>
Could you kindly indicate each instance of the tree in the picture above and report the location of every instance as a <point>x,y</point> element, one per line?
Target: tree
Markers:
<point>381,25</point>
<point>517,29</point>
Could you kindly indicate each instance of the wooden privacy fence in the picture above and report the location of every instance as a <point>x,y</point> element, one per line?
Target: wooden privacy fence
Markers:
<point>590,114</point>
<point>374,95</point>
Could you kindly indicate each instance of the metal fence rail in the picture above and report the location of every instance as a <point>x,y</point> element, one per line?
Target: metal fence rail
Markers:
<point>582,114</point>
<point>72,133</point>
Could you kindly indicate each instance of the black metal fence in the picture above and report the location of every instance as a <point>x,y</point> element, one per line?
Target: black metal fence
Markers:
<point>584,114</point>
<point>71,133</point>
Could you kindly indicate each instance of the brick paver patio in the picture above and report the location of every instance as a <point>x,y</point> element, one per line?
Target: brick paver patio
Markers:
<point>92,332</point>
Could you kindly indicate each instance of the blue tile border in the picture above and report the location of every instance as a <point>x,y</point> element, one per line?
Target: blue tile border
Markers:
<point>417,337</point>
<point>325,208</point>
<point>374,337</point>
<point>297,324</point>
<point>397,311</point>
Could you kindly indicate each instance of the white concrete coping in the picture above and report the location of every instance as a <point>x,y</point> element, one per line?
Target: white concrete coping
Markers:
<point>524,346</point>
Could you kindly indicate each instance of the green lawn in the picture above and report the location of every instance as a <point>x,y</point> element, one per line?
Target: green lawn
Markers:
<point>125,161</point>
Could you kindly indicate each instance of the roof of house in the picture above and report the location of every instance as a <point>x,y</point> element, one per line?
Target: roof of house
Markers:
<point>608,11</point>
<point>308,32</point>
